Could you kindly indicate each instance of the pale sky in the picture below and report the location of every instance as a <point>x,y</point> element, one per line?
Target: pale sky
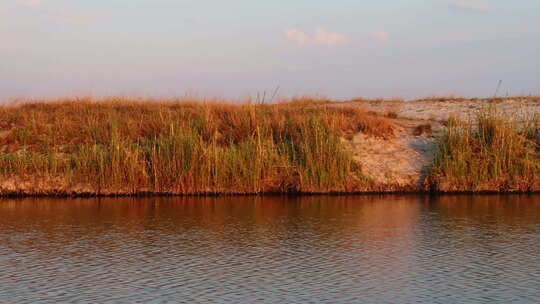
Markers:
<point>237,48</point>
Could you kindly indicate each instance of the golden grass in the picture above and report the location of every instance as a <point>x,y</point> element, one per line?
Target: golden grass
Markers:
<point>130,146</point>
<point>492,153</point>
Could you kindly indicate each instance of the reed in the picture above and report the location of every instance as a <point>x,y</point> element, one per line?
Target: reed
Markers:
<point>126,146</point>
<point>490,153</point>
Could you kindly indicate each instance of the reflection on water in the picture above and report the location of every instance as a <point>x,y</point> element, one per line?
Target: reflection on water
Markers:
<point>376,249</point>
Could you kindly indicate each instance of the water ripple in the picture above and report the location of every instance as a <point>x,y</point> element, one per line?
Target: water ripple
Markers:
<point>374,249</point>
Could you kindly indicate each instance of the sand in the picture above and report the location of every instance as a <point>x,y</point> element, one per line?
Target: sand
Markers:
<point>402,162</point>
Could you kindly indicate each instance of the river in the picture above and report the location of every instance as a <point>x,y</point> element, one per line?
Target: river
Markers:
<point>318,249</point>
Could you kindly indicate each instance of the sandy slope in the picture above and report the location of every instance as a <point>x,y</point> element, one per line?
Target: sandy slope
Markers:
<point>400,162</point>
<point>403,161</point>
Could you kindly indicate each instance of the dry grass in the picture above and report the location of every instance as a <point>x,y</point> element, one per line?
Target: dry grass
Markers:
<point>184,147</point>
<point>391,114</point>
<point>423,129</point>
<point>492,153</point>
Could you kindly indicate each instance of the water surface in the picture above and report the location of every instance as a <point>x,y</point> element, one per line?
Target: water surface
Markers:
<point>347,249</point>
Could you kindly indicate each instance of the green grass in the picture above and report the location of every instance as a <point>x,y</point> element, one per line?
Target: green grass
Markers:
<point>491,153</point>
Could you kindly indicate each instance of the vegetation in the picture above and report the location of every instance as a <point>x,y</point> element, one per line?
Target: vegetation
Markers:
<point>122,146</point>
<point>128,146</point>
<point>423,129</point>
<point>492,153</point>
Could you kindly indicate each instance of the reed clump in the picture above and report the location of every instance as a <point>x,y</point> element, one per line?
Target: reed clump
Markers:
<point>490,153</point>
<point>124,146</point>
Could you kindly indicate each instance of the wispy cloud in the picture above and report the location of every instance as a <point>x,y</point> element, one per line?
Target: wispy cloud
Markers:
<point>33,3</point>
<point>297,36</point>
<point>470,5</point>
<point>381,35</point>
<point>321,37</point>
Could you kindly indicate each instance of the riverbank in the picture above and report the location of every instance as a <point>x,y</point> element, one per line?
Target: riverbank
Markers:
<point>124,146</point>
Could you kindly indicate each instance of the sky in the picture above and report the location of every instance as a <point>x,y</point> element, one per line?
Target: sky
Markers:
<point>240,48</point>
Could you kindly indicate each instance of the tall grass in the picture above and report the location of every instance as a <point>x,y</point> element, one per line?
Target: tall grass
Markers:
<point>491,153</point>
<point>182,147</point>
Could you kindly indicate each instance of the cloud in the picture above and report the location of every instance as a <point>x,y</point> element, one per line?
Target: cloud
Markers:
<point>383,36</point>
<point>297,36</point>
<point>321,37</point>
<point>469,5</point>
<point>33,3</point>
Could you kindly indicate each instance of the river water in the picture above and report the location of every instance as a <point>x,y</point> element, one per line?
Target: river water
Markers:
<point>342,249</point>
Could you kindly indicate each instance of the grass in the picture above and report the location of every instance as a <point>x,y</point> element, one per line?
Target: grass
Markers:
<point>491,153</point>
<point>391,114</point>
<point>423,129</point>
<point>127,146</point>
<point>133,146</point>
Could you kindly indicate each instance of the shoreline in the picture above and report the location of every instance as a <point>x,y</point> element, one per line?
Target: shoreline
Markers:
<point>133,147</point>
<point>267,194</point>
